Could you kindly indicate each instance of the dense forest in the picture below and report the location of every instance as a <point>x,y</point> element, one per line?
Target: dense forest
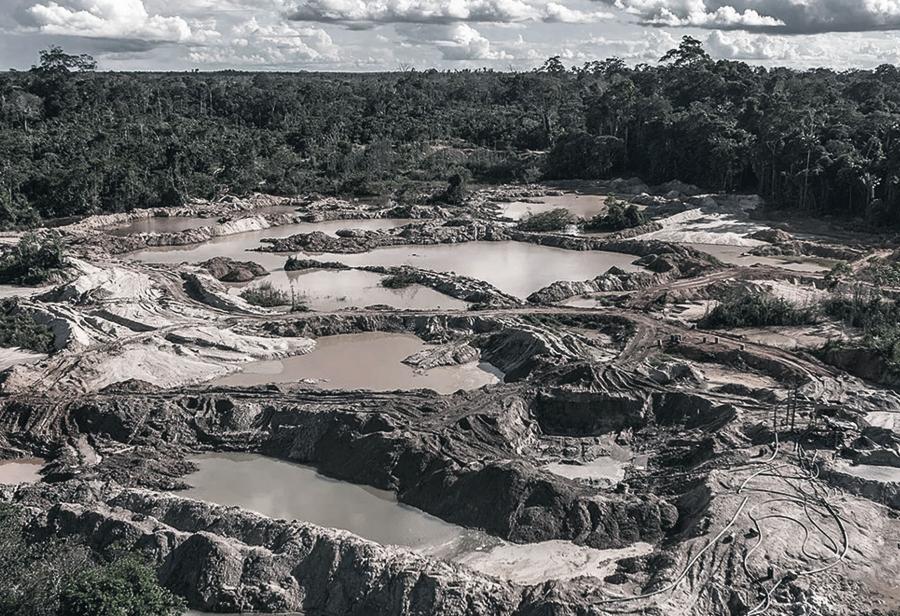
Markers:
<point>75,141</point>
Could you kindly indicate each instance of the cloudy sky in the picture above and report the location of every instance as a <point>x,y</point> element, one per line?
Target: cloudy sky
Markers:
<point>390,34</point>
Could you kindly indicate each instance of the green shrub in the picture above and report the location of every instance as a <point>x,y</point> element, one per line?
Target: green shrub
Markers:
<point>618,217</point>
<point>19,329</point>
<point>34,260</point>
<point>866,313</point>
<point>400,280</point>
<point>266,296</point>
<point>554,220</point>
<point>124,587</point>
<point>756,310</point>
<point>878,319</point>
<point>59,578</point>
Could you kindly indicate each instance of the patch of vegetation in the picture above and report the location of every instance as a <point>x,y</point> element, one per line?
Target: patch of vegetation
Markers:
<point>756,310</point>
<point>33,261</point>
<point>125,586</point>
<point>839,272</point>
<point>400,280</point>
<point>618,217</point>
<point>882,273</point>
<point>879,320</point>
<point>867,313</point>
<point>19,329</point>
<point>554,220</point>
<point>265,295</point>
<point>457,189</point>
<point>61,578</point>
<point>294,264</point>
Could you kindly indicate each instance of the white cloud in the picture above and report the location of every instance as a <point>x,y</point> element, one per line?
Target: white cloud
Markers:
<point>467,43</point>
<point>745,46</point>
<point>112,19</point>
<point>788,16</point>
<point>455,42</point>
<point>555,12</point>
<point>361,14</point>
<point>274,44</point>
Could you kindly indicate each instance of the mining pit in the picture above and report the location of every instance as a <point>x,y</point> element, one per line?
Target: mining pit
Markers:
<point>446,414</point>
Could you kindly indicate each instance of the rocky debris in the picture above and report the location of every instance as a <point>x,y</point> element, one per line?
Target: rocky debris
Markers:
<point>452,354</point>
<point>875,489</point>
<point>671,263</point>
<point>229,270</point>
<point>614,280</point>
<point>676,189</point>
<point>478,292</point>
<point>228,206</point>
<point>568,411</point>
<point>516,346</point>
<point>667,372</point>
<point>862,362</point>
<point>331,208</point>
<point>363,241</point>
<point>629,186</point>
<point>772,236</point>
<point>207,290</point>
<point>416,212</point>
<point>803,248</point>
<point>508,193</point>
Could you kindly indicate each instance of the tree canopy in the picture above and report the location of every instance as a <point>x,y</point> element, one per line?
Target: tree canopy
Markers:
<point>74,141</point>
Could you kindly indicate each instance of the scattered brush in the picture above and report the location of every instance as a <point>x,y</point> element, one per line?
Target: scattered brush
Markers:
<point>266,296</point>
<point>554,220</point>
<point>757,310</point>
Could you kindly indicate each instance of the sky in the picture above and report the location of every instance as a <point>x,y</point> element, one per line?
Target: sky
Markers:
<point>352,35</point>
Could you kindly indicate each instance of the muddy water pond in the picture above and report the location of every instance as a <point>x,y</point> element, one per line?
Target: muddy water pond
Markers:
<point>280,489</point>
<point>326,290</point>
<point>319,290</point>
<point>364,361</point>
<point>25,470</point>
<point>517,268</point>
<point>237,245</point>
<point>160,224</point>
<point>174,224</point>
<point>583,206</point>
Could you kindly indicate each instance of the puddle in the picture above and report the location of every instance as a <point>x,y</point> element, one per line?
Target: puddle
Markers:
<point>25,470</point>
<point>735,255</point>
<point>281,489</point>
<point>583,206</point>
<point>363,361</point>
<point>517,268</point>
<point>325,290</point>
<point>602,468</point>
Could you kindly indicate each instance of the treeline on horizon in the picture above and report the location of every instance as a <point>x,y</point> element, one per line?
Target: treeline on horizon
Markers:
<point>75,142</point>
